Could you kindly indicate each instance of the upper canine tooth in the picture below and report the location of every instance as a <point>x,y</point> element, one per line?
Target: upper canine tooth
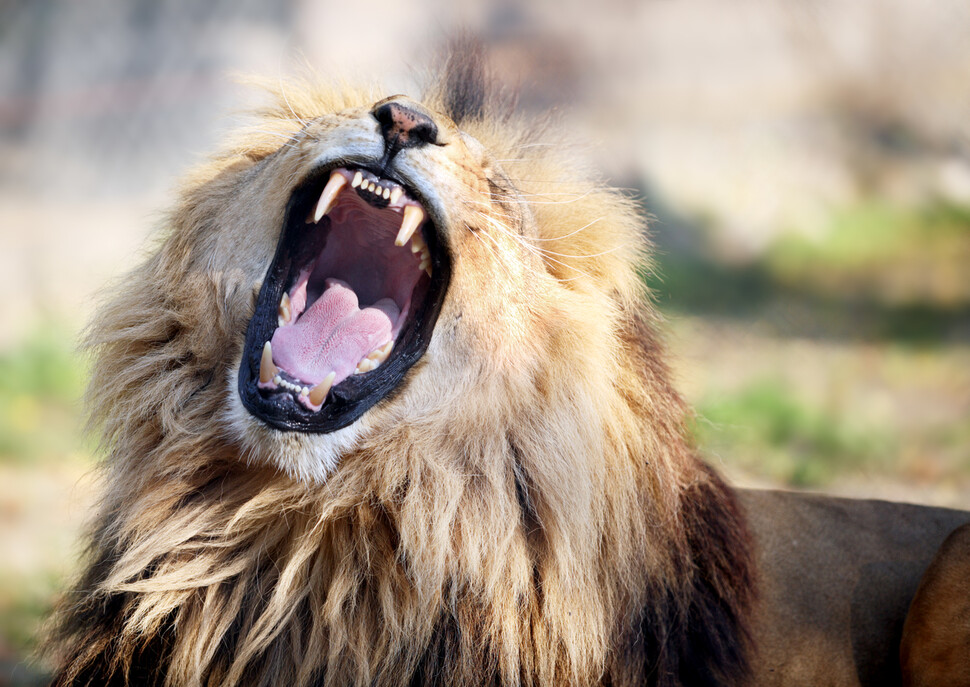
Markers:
<point>319,392</point>
<point>329,195</point>
<point>267,370</point>
<point>413,216</point>
<point>358,178</point>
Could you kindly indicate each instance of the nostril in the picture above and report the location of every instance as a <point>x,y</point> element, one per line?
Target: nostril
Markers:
<point>403,126</point>
<point>426,132</point>
<point>383,115</point>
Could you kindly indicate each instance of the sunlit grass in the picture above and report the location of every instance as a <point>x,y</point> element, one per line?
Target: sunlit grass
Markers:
<point>768,429</point>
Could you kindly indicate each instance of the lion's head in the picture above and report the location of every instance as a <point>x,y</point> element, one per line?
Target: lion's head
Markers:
<point>416,271</point>
<point>386,403</point>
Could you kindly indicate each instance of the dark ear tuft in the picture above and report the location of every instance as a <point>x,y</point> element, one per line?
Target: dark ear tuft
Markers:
<point>465,89</point>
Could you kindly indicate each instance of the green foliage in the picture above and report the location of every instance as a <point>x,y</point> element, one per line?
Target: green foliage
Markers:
<point>41,381</point>
<point>766,428</point>
<point>882,252</point>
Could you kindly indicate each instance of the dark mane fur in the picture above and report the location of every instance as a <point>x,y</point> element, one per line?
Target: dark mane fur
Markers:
<point>466,87</point>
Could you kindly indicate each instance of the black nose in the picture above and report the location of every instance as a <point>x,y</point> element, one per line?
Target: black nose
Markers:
<point>404,127</point>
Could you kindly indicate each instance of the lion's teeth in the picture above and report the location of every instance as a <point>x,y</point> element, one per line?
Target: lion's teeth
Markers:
<point>318,393</point>
<point>358,178</point>
<point>387,193</point>
<point>413,217</point>
<point>417,243</point>
<point>396,194</point>
<point>379,355</point>
<point>284,309</point>
<point>267,370</point>
<point>365,365</point>
<point>329,195</point>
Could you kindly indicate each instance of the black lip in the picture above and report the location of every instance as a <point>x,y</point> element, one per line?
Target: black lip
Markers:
<point>350,399</point>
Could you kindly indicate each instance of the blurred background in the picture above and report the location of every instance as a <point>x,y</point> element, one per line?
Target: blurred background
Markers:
<point>807,166</point>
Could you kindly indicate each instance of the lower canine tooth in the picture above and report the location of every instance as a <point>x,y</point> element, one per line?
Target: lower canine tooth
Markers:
<point>284,309</point>
<point>267,370</point>
<point>329,195</point>
<point>319,393</point>
<point>413,216</point>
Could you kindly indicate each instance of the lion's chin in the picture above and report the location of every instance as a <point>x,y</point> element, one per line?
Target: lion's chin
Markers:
<point>308,458</point>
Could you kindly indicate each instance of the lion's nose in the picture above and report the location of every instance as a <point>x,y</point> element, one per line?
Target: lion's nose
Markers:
<point>404,127</point>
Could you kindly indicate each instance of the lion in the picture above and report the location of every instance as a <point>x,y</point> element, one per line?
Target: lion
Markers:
<point>388,404</point>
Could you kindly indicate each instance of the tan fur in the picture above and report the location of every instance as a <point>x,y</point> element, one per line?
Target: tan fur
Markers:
<point>347,551</point>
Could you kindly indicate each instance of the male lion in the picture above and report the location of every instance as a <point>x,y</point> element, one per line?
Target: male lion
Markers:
<point>388,406</point>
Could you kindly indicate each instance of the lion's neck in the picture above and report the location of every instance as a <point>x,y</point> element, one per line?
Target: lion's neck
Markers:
<point>507,549</point>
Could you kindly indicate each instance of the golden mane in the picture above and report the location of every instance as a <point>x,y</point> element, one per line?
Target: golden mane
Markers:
<point>545,524</point>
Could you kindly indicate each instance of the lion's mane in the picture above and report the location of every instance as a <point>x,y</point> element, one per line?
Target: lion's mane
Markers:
<point>550,526</point>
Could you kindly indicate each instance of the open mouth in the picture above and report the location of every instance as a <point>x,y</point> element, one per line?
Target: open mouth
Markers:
<point>348,304</point>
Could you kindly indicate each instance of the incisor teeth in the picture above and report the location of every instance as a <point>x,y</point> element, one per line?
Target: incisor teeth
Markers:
<point>267,370</point>
<point>387,193</point>
<point>413,216</point>
<point>319,392</point>
<point>358,178</point>
<point>329,195</point>
<point>396,194</point>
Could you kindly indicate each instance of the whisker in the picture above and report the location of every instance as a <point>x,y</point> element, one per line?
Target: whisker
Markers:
<point>543,255</point>
<point>287,101</point>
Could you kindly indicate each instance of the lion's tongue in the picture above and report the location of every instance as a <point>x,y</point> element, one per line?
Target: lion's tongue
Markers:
<point>333,335</point>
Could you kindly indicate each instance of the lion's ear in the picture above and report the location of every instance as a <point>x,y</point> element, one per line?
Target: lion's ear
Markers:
<point>464,87</point>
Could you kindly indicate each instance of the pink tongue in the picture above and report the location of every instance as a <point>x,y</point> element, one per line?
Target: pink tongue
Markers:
<point>333,335</point>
